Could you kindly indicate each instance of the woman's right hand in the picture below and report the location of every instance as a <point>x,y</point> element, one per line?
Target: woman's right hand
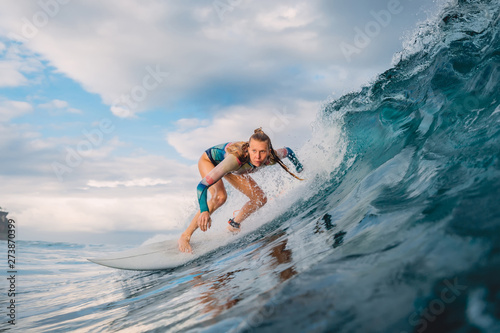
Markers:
<point>204,221</point>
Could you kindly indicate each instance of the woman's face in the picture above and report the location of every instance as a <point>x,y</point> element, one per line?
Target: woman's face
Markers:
<point>258,152</point>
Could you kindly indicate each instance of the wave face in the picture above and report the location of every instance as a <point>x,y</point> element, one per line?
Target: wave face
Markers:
<point>416,210</point>
<point>417,206</point>
<point>397,229</point>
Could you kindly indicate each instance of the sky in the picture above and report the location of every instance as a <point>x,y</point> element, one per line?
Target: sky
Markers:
<point>106,106</point>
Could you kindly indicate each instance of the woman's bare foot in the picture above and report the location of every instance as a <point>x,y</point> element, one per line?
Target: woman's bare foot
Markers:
<point>184,245</point>
<point>233,230</point>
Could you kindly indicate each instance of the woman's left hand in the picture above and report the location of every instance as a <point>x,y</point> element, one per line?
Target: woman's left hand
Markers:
<point>204,221</point>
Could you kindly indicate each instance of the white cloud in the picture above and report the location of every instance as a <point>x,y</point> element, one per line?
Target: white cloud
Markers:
<point>11,109</point>
<point>75,111</point>
<point>189,123</point>
<point>259,50</point>
<point>10,74</point>
<point>142,182</point>
<point>54,212</point>
<point>102,194</point>
<point>122,112</point>
<point>56,106</point>
<point>287,16</point>
<point>15,63</point>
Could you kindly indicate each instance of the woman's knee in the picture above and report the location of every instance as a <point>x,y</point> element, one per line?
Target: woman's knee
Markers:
<point>260,199</point>
<point>219,199</point>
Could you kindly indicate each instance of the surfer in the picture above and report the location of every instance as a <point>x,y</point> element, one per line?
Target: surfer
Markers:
<point>234,161</point>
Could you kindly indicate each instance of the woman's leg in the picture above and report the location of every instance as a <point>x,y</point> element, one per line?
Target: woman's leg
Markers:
<point>217,199</point>
<point>248,186</point>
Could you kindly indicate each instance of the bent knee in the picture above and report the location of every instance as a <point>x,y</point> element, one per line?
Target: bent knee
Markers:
<point>220,199</point>
<point>261,200</point>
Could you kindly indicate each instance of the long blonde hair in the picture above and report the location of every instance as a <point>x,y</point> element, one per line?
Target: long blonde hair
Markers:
<point>240,150</point>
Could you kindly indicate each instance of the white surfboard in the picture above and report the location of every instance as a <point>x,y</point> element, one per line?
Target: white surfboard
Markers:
<point>156,256</point>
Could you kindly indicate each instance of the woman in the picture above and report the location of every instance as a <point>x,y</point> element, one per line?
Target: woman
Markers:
<point>234,161</point>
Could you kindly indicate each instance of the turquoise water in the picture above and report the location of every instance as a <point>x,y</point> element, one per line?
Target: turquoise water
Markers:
<point>400,234</point>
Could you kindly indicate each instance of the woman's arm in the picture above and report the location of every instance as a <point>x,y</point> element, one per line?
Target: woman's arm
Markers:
<point>287,152</point>
<point>291,156</point>
<point>229,164</point>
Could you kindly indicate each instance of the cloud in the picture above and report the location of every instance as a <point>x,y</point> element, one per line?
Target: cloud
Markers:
<point>122,111</point>
<point>11,76</point>
<point>258,51</point>
<point>11,109</point>
<point>16,64</point>
<point>54,104</point>
<point>103,193</point>
<point>57,105</point>
<point>143,182</point>
<point>287,16</point>
<point>91,214</point>
<point>184,124</point>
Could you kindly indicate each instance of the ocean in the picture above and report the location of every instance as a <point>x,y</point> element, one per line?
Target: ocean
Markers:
<point>396,229</point>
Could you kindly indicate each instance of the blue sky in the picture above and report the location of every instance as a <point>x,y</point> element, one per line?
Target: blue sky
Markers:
<point>105,107</point>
